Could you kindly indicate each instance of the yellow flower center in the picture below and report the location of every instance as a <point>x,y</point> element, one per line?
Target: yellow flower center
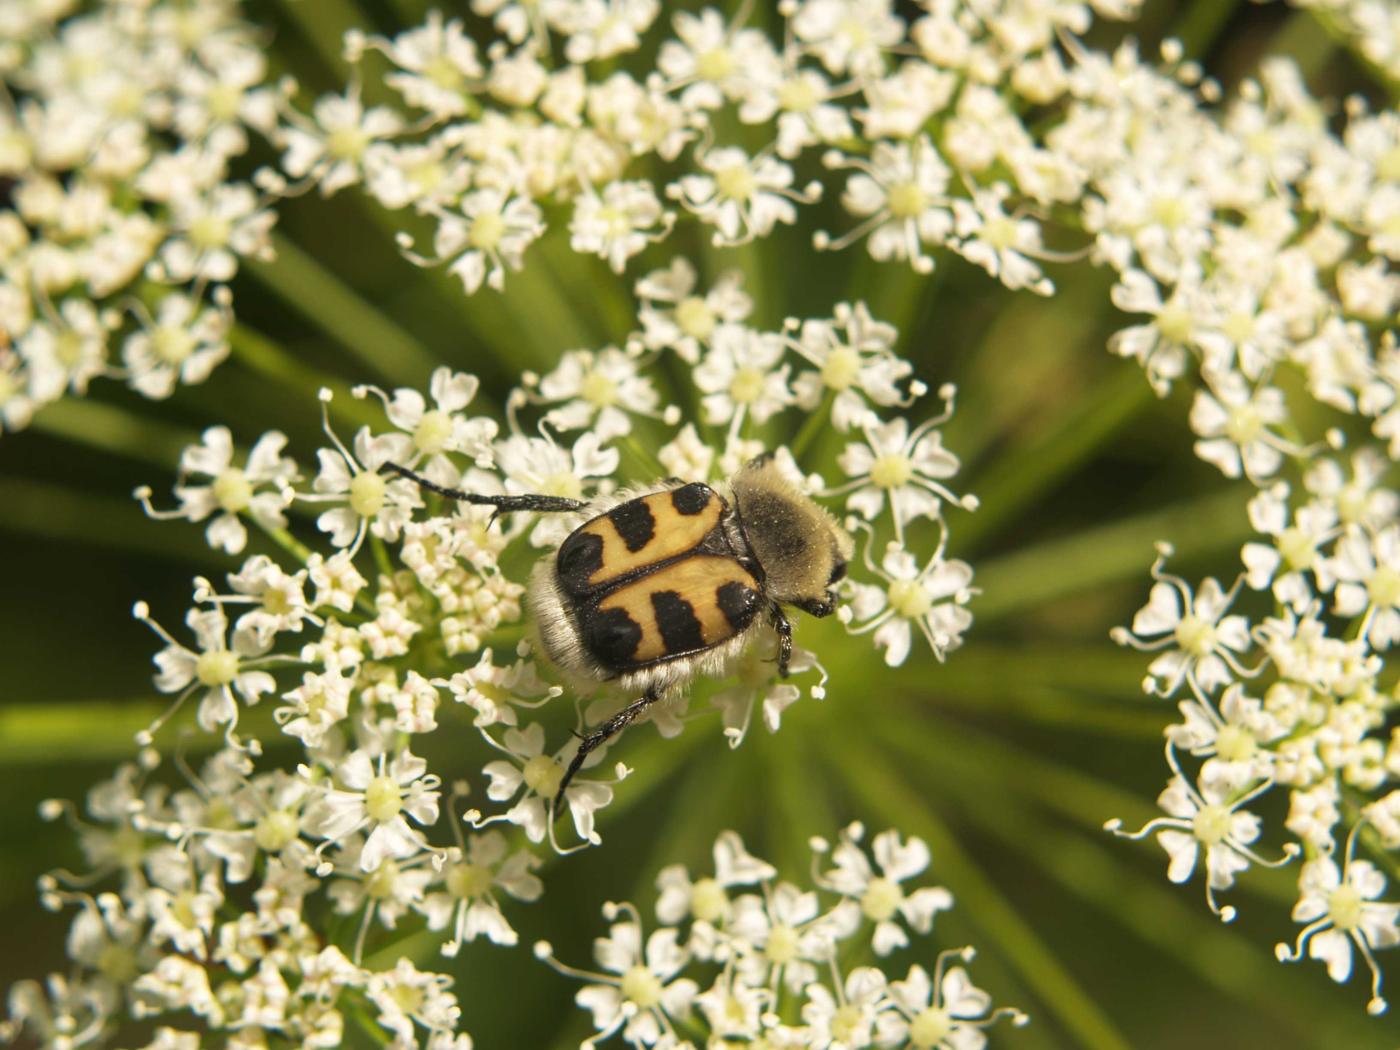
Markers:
<point>182,908</point>
<point>215,668</point>
<point>1194,635</point>
<point>432,432</point>
<point>542,776</point>
<point>232,490</point>
<point>614,221</point>
<point>841,368</point>
<point>1388,165</point>
<point>172,345</point>
<point>642,987</point>
<point>1170,211</point>
<point>892,470</point>
<point>1344,906</point>
<point>845,1025</point>
<point>367,493</point>
<point>1174,324</point>
<point>275,830</point>
<point>1239,327</point>
<point>1244,425</point>
<point>881,899</point>
<point>1234,744</point>
<point>1212,824</point>
<point>1000,233</point>
<point>715,64</point>
<point>708,901</point>
<point>909,599</point>
<point>929,1028</point>
<point>346,143</point>
<point>694,317</point>
<point>209,232</point>
<point>598,389</point>
<point>907,200</point>
<point>797,95</point>
<point>1385,587</point>
<point>443,73</point>
<point>570,486</point>
<point>746,386</point>
<point>223,101</point>
<point>782,945</point>
<point>383,799</point>
<point>487,230</point>
<point>68,347</point>
<point>735,182</point>
<point>466,881</point>
<point>1297,548</point>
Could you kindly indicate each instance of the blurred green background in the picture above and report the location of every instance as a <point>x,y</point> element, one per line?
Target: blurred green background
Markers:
<point>1007,759</point>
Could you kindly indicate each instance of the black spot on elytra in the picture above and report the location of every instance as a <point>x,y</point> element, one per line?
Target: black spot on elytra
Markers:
<point>634,523</point>
<point>579,557</point>
<point>691,499</point>
<point>739,604</point>
<point>612,637</point>
<point>675,619</point>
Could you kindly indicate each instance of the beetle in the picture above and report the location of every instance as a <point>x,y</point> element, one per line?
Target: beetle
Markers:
<point>668,583</point>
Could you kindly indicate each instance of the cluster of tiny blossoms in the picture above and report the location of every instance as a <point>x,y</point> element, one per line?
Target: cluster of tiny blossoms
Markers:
<point>918,126</point>
<point>211,897</point>
<point>1260,245</point>
<point>122,219</point>
<point>770,952</point>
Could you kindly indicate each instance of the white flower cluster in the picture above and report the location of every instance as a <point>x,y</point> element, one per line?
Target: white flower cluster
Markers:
<point>496,144</point>
<point>770,952</point>
<point>219,896</point>
<point>120,126</point>
<point>1260,244</point>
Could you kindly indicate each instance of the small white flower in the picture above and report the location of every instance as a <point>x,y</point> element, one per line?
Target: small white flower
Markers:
<point>879,894</point>
<point>743,197</point>
<point>380,796</point>
<point>1342,912</point>
<point>618,223</point>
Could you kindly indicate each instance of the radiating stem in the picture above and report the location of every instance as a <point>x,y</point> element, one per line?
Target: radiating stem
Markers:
<point>110,429</point>
<point>270,359</point>
<point>1123,550</point>
<point>883,792</point>
<point>301,282</point>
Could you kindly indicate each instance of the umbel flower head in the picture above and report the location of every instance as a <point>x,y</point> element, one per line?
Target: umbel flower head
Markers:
<point>266,889</point>
<point>401,618</point>
<point>742,958</point>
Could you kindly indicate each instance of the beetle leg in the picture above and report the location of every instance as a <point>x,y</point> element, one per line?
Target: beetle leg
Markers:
<point>599,736</point>
<point>784,629</point>
<point>503,504</point>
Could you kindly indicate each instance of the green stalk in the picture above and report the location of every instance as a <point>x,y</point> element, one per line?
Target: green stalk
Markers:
<point>1039,461</point>
<point>301,282</point>
<point>268,358</point>
<point>1200,26</point>
<point>55,513</point>
<point>1056,569</point>
<point>1152,911</point>
<point>883,792</point>
<point>110,429</point>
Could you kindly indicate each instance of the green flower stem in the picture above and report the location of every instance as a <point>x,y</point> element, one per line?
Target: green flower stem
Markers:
<point>816,424</point>
<point>323,25</point>
<point>55,513</point>
<point>800,806</point>
<point>652,467</point>
<point>113,430</point>
<point>316,293</point>
<point>885,794</point>
<point>1054,708</point>
<point>1039,461</point>
<point>969,754</point>
<point>1201,24</point>
<point>42,732</point>
<point>293,546</point>
<point>266,357</point>
<point>590,288</point>
<point>1055,569</point>
<point>1312,39</point>
<point>1160,915</point>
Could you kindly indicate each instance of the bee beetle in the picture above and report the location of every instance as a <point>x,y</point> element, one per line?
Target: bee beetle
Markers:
<point>668,583</point>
